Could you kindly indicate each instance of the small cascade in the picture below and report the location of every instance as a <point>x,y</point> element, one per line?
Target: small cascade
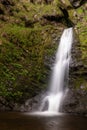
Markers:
<point>60,73</point>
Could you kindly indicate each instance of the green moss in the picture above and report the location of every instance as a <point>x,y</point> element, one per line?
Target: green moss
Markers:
<point>23,49</point>
<point>80,83</point>
<point>22,55</point>
<point>83,40</point>
<point>82,32</point>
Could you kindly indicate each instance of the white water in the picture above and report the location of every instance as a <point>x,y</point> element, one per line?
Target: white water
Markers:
<point>60,73</point>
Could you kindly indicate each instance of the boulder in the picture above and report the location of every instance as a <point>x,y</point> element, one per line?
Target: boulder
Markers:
<point>75,3</point>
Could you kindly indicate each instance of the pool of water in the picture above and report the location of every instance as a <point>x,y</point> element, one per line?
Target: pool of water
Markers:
<point>26,121</point>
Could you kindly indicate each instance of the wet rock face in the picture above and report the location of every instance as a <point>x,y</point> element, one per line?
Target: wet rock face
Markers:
<point>76,96</point>
<point>33,104</point>
<point>75,102</point>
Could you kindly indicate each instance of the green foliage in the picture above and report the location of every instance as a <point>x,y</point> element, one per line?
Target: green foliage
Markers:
<point>21,36</point>
<point>22,53</point>
<point>83,40</point>
<point>23,49</point>
<point>80,82</point>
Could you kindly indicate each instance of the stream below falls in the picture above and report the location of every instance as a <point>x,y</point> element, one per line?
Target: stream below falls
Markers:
<point>24,121</point>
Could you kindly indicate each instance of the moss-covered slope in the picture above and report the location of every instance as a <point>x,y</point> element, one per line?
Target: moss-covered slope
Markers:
<point>26,42</point>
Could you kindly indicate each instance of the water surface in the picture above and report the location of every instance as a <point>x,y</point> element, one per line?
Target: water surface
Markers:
<point>24,121</point>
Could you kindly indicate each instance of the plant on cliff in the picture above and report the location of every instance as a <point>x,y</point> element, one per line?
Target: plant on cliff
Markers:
<point>25,41</point>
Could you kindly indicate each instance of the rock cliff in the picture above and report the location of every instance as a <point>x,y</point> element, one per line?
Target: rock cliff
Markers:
<point>29,36</point>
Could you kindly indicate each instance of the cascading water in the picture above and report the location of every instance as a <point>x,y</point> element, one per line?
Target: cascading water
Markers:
<point>60,73</point>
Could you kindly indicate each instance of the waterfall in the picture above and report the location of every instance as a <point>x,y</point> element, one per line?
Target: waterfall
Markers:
<point>60,73</point>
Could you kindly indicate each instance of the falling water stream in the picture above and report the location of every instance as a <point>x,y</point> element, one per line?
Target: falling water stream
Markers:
<point>58,85</point>
<point>59,77</point>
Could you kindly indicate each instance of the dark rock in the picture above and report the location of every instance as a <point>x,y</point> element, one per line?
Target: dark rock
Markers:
<point>48,1</point>
<point>32,104</point>
<point>65,12</point>
<point>41,1</point>
<point>7,2</point>
<point>1,11</point>
<point>55,18</point>
<point>75,98</point>
<point>29,23</point>
<point>77,3</point>
<point>75,102</point>
<point>6,105</point>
